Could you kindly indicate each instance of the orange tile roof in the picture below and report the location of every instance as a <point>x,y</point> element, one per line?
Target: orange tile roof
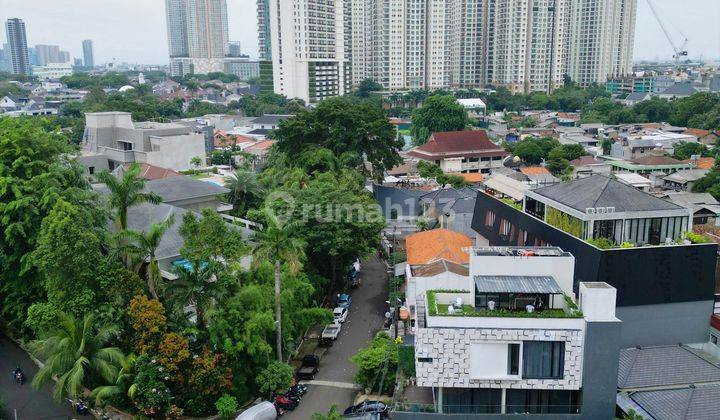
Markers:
<point>433,245</point>
<point>473,177</point>
<point>703,162</point>
<point>696,132</point>
<point>151,172</point>
<point>535,170</point>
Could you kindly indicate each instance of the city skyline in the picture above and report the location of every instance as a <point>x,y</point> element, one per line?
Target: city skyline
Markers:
<point>144,35</point>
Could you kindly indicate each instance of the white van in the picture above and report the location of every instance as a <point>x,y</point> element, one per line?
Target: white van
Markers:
<point>263,411</point>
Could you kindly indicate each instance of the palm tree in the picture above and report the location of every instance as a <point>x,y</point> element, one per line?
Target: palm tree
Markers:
<point>127,192</point>
<point>75,352</point>
<point>196,286</point>
<point>143,245</point>
<point>243,186</point>
<point>123,384</point>
<point>277,242</point>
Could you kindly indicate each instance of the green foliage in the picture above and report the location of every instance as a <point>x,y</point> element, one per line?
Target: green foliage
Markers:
<point>697,238</point>
<point>456,181</point>
<point>428,169</point>
<point>276,376</point>
<point>245,191</point>
<point>267,103</point>
<point>342,127</point>
<point>684,150</point>
<point>87,81</point>
<point>226,406</point>
<point>511,202</point>
<point>366,87</point>
<point>34,176</point>
<point>533,150</point>
<point>602,243</point>
<point>152,396</point>
<point>406,360</point>
<point>564,222</point>
<point>332,414</point>
<point>627,245</point>
<point>376,361</point>
<point>210,238</point>
<point>438,113</point>
<point>126,192</point>
<point>76,353</point>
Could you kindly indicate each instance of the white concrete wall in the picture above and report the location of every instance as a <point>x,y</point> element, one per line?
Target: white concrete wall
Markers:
<point>417,286</point>
<point>562,268</point>
<point>175,152</point>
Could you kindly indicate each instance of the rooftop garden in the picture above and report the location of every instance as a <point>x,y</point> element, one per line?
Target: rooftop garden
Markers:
<point>441,309</point>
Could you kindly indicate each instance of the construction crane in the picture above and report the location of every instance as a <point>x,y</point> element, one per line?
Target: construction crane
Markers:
<point>677,51</point>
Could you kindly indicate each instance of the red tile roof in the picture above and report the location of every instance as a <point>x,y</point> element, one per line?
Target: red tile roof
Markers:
<point>437,244</point>
<point>472,178</point>
<point>151,172</point>
<point>259,146</point>
<point>656,160</point>
<point>697,132</point>
<point>535,170</point>
<point>585,160</point>
<point>703,162</point>
<point>458,143</point>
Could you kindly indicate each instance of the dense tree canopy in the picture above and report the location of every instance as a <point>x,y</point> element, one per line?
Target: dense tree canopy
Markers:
<point>343,127</point>
<point>437,113</point>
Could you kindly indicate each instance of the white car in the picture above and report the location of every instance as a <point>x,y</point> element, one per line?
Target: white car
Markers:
<point>340,314</point>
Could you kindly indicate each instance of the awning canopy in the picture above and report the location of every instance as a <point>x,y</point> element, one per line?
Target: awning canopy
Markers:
<point>508,186</point>
<point>517,284</point>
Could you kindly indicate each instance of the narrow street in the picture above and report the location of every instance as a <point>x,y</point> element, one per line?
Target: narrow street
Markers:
<point>29,403</point>
<point>334,382</point>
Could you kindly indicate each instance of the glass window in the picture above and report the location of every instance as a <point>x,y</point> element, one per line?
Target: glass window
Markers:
<point>513,358</point>
<point>469,400</point>
<point>543,359</point>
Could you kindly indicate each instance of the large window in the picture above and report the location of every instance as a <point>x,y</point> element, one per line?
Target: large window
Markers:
<point>543,359</point>
<point>471,400</point>
<point>539,401</point>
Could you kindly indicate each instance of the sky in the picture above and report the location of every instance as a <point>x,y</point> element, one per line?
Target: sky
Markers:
<point>134,30</point>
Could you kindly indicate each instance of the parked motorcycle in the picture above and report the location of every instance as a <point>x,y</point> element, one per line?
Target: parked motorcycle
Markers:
<point>79,406</point>
<point>19,378</point>
<point>286,403</point>
<point>279,410</point>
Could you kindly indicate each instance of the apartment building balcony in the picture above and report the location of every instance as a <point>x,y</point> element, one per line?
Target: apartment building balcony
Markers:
<point>118,155</point>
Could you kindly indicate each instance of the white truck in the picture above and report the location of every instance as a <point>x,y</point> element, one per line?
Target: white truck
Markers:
<point>330,334</point>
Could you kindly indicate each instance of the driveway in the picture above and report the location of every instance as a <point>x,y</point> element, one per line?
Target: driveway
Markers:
<point>29,403</point>
<point>334,384</point>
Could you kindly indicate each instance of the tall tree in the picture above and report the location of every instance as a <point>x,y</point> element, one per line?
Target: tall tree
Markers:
<point>244,188</point>
<point>437,113</point>
<point>127,192</point>
<point>278,242</point>
<point>341,125</point>
<point>196,286</point>
<point>143,246</point>
<point>76,353</point>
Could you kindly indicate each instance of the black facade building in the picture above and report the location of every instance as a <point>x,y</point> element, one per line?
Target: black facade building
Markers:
<point>664,293</point>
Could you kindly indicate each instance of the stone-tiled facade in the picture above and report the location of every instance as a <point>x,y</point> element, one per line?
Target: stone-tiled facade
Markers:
<point>449,349</point>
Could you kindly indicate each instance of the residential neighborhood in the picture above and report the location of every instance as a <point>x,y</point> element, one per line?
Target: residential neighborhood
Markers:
<point>359,209</point>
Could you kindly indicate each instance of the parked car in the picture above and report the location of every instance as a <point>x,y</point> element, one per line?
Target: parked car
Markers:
<point>340,314</point>
<point>344,300</point>
<point>329,335</point>
<point>354,278</point>
<point>309,367</point>
<point>368,407</point>
<point>263,411</point>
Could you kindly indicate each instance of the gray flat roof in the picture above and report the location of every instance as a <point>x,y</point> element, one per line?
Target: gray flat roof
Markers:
<point>516,284</point>
<point>183,188</point>
<point>701,402</point>
<point>601,191</point>
<point>664,366</point>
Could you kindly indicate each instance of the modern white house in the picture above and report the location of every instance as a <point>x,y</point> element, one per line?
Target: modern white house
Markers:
<point>515,338</point>
<point>120,140</point>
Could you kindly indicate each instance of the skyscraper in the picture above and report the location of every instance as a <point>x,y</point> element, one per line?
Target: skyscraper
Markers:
<point>63,57</point>
<point>88,53</point>
<point>47,54</point>
<point>197,35</point>
<point>263,12</point>
<point>524,45</point>
<point>233,49</point>
<point>602,34</point>
<point>308,48</point>
<point>17,42</point>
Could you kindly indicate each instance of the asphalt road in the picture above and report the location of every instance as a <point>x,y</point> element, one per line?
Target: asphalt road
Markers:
<point>336,370</point>
<point>29,403</point>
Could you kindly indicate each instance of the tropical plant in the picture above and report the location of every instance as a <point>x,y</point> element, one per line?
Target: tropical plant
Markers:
<point>196,286</point>
<point>332,414</point>
<point>123,386</point>
<point>278,243</point>
<point>143,246</point>
<point>277,375</point>
<point>377,363</point>
<point>127,192</point>
<point>226,406</point>
<point>244,188</point>
<point>76,353</point>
